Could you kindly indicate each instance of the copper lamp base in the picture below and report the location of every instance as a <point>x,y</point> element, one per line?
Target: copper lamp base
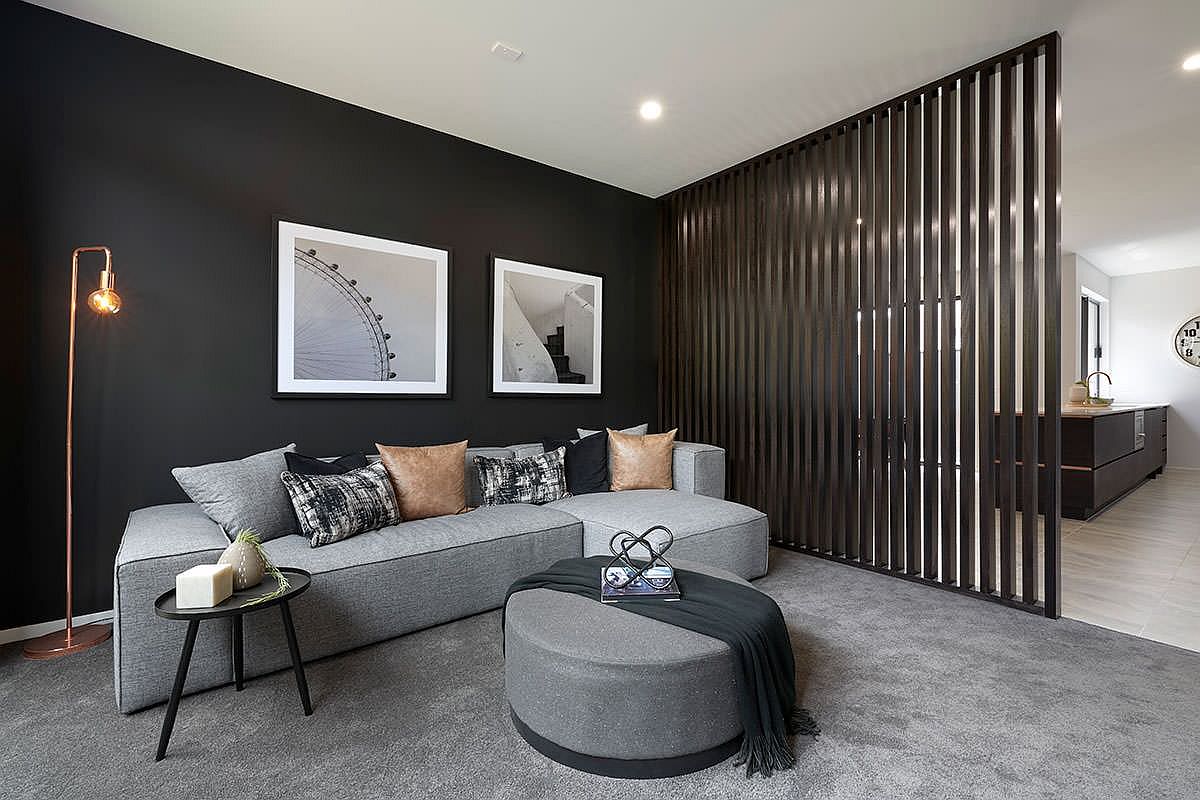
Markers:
<point>64,642</point>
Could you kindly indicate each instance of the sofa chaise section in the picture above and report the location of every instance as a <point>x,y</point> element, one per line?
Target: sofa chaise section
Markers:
<point>368,588</point>
<point>719,533</point>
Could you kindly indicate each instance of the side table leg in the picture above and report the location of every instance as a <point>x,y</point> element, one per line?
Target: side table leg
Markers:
<point>297,664</point>
<point>185,658</point>
<point>237,652</point>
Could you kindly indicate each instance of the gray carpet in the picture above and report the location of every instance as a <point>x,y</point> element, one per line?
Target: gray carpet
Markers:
<point>921,694</point>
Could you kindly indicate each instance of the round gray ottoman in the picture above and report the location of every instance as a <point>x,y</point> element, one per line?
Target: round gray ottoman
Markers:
<point>604,690</point>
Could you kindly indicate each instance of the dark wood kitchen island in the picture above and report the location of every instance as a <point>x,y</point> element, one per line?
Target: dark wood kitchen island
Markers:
<point>1106,453</point>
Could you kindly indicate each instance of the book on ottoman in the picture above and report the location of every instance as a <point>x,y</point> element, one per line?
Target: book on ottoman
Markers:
<point>659,584</point>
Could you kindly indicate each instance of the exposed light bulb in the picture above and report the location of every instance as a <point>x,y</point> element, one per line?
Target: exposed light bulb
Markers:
<point>651,110</point>
<point>104,301</point>
<point>1192,62</point>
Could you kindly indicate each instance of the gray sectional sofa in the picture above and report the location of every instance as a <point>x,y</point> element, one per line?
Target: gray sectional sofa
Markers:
<point>382,584</point>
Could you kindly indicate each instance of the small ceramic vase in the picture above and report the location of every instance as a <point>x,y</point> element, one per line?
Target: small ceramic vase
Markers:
<point>247,564</point>
<point>1078,394</point>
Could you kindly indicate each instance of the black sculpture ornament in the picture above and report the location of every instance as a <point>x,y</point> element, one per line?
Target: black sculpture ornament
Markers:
<point>655,557</point>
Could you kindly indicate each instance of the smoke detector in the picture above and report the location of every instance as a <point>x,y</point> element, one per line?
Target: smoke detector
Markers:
<point>507,51</point>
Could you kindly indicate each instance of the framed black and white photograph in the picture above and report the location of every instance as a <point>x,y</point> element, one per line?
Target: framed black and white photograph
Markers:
<point>359,315</point>
<point>546,324</point>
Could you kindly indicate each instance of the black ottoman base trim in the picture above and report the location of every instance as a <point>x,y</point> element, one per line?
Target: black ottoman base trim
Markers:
<point>627,767</point>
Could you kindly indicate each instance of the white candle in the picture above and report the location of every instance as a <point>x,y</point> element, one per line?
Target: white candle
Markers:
<point>203,586</point>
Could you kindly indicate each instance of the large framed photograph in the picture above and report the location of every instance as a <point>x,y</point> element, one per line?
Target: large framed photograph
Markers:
<point>359,316</point>
<point>546,329</point>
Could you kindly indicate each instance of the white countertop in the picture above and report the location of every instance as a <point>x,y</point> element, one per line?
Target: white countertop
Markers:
<point>1100,411</point>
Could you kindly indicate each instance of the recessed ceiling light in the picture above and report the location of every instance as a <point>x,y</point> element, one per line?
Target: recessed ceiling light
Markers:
<point>651,109</point>
<point>1192,62</point>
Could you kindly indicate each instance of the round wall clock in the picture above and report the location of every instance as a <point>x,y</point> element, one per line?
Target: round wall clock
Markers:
<point>1187,341</point>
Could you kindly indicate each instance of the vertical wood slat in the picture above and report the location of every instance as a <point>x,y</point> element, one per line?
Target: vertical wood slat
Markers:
<point>929,407</point>
<point>728,307</point>
<point>1029,335</point>
<point>986,211</point>
<point>895,414</point>
<point>826,423</point>
<point>912,339</point>
<point>867,451</point>
<point>967,220</point>
<point>787,336</point>
<point>847,535</point>
<point>754,463</point>
<point>1051,254</point>
<point>879,350</point>
<point>1007,425</point>
<point>795,333</point>
<point>946,318</point>
<point>836,419</point>
<point>808,398</point>
<point>820,498</point>
<point>866,365</point>
<point>853,329</point>
<point>769,498</point>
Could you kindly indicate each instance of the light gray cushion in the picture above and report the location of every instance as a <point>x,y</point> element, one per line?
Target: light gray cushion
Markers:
<point>159,543</point>
<point>410,576</point>
<point>243,494</point>
<point>699,469</point>
<point>636,430</point>
<point>526,450</point>
<point>716,532</point>
<point>571,663</point>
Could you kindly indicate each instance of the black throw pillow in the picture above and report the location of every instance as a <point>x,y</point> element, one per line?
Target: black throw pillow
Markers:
<point>310,465</point>
<point>587,462</point>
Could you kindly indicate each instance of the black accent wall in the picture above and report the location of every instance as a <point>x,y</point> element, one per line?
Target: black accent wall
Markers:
<point>179,164</point>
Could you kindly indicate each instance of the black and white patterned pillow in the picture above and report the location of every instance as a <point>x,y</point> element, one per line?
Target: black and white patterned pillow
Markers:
<point>537,479</point>
<point>335,507</point>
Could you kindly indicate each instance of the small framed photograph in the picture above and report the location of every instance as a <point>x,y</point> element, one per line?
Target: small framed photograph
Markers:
<point>359,315</point>
<point>546,329</point>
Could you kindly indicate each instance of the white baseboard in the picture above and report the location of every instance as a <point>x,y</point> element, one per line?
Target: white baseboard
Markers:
<point>42,628</point>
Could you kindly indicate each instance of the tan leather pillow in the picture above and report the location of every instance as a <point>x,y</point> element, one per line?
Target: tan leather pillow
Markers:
<point>428,481</point>
<point>641,462</point>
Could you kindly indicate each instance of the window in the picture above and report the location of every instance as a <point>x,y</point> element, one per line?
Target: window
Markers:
<point>1091,352</point>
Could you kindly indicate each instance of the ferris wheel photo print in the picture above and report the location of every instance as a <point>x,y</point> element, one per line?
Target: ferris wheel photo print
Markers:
<point>359,315</point>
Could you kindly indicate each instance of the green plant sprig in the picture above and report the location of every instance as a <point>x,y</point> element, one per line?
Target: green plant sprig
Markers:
<point>249,537</point>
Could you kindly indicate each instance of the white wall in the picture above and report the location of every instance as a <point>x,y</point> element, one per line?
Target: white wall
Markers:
<point>1079,274</point>
<point>1146,311</point>
<point>579,315</point>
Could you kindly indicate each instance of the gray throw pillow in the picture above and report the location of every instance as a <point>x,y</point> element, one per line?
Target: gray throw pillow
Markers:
<point>636,430</point>
<point>245,494</point>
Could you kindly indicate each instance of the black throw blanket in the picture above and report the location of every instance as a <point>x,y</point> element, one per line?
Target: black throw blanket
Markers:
<point>742,617</point>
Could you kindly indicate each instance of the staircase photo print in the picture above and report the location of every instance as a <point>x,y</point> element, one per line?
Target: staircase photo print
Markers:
<point>358,315</point>
<point>545,329</point>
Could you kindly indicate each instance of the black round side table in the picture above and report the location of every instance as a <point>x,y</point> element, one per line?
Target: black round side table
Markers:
<point>234,607</point>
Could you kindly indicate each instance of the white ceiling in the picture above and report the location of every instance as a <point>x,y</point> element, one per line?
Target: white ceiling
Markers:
<point>735,79</point>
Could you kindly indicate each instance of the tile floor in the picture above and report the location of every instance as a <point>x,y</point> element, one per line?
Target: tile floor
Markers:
<point>1135,568</point>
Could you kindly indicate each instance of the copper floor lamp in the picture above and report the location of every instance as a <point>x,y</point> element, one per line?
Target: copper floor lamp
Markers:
<point>104,301</point>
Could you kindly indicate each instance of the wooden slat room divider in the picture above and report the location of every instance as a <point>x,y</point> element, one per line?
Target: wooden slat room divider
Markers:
<point>858,317</point>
